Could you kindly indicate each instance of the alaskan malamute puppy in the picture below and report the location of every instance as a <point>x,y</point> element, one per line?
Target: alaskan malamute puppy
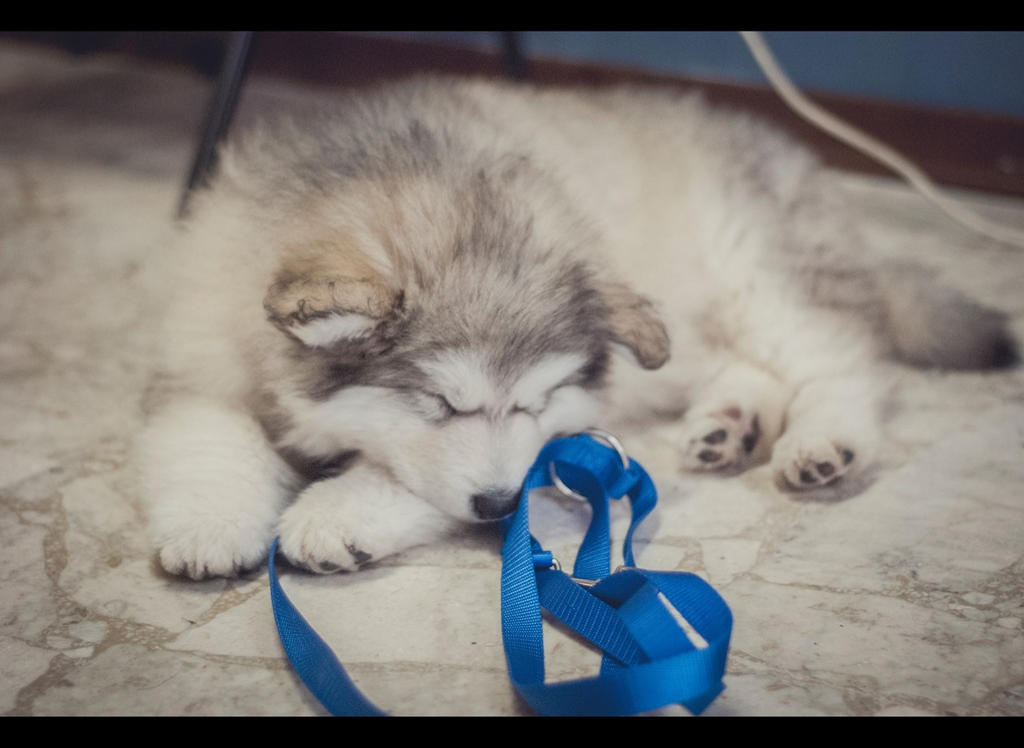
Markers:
<point>382,313</point>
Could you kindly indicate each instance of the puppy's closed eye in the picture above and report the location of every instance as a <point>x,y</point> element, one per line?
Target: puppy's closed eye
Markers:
<point>535,407</point>
<point>437,408</point>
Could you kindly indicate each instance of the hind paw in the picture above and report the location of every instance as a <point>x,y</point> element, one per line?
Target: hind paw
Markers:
<point>806,461</point>
<point>721,439</point>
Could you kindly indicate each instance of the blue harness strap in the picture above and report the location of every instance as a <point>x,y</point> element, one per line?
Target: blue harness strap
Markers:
<point>649,660</point>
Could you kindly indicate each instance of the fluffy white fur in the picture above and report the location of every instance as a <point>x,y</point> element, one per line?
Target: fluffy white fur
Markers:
<point>695,209</point>
<point>215,487</point>
<point>325,331</point>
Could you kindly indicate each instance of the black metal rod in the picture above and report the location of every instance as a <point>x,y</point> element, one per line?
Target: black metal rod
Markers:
<point>516,66</point>
<point>219,112</point>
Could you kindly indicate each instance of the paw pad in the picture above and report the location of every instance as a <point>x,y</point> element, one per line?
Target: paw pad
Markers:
<point>732,436</point>
<point>808,461</point>
<point>716,437</point>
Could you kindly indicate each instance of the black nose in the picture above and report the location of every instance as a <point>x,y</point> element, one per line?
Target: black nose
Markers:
<point>494,503</point>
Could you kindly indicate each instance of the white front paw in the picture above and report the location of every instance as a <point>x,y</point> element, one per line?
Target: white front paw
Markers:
<point>212,548</point>
<point>317,534</point>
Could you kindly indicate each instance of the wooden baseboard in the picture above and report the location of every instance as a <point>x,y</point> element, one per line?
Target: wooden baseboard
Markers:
<point>962,149</point>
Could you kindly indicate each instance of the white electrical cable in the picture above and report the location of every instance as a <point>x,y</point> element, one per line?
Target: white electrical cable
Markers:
<point>871,147</point>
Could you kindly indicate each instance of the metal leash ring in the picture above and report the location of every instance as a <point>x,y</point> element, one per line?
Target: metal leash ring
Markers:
<point>611,440</point>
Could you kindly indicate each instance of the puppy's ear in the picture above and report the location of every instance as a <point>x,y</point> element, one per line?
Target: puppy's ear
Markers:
<point>324,294</point>
<point>636,326</point>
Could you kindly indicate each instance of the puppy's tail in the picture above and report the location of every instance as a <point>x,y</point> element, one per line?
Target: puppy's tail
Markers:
<point>934,326</point>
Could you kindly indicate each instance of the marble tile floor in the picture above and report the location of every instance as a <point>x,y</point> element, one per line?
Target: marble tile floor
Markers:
<point>907,599</point>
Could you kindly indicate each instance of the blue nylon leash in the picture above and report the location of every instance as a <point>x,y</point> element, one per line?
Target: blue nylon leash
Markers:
<point>648,662</point>
<point>313,660</point>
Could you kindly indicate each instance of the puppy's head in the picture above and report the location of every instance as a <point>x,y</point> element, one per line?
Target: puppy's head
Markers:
<point>450,366</point>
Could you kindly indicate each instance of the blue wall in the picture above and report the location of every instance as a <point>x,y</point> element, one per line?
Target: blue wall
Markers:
<point>974,70</point>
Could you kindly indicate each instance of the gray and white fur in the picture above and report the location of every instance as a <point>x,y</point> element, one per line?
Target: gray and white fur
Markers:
<point>381,313</point>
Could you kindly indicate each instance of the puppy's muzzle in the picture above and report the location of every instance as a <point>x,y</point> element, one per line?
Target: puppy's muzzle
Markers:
<point>494,503</point>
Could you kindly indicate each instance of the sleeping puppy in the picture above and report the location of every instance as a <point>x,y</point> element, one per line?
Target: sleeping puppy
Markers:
<point>381,313</point>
